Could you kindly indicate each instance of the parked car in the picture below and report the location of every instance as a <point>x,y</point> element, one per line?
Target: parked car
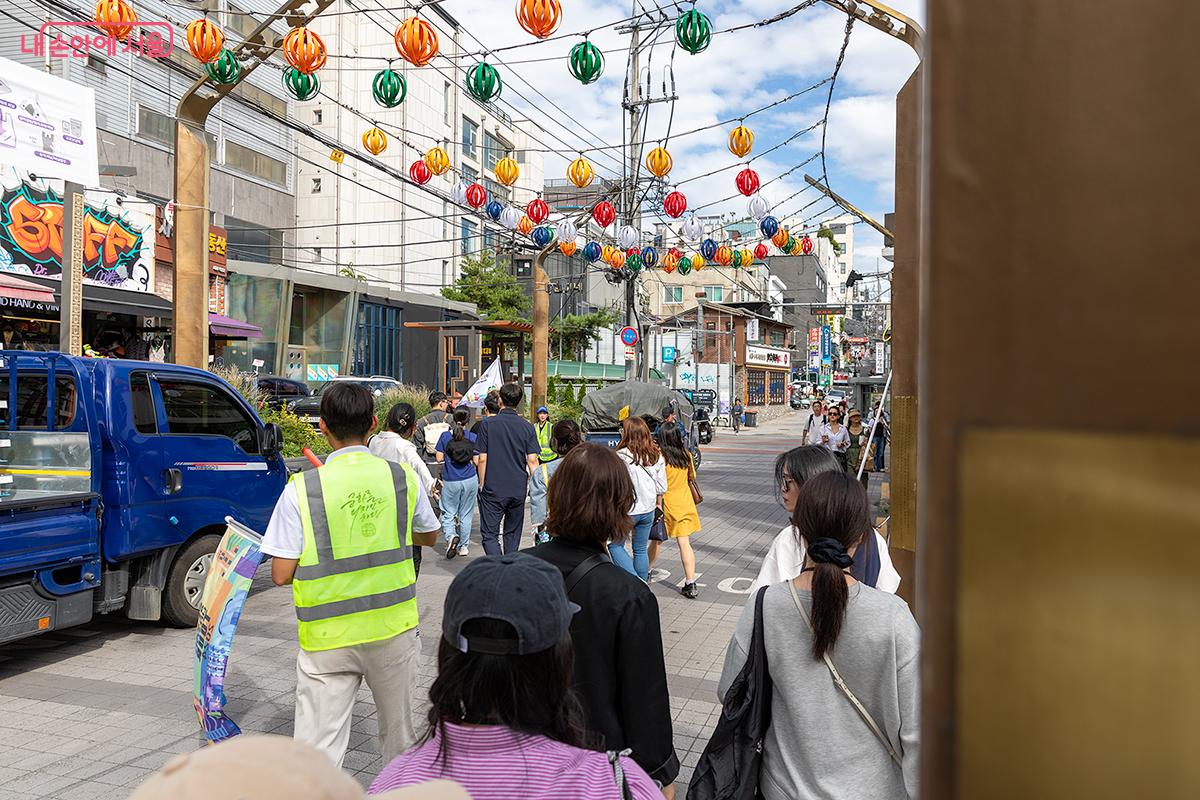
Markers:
<point>309,408</point>
<point>836,396</point>
<point>278,391</point>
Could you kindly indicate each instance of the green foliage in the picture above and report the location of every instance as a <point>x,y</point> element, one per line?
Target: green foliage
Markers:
<point>825,233</point>
<point>552,389</point>
<point>490,286</point>
<point>580,330</point>
<point>297,433</point>
<point>417,396</point>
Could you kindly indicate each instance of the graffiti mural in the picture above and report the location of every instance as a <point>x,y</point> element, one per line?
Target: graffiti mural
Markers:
<point>118,239</point>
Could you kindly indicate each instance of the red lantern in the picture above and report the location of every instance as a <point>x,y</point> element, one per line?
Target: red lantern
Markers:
<point>806,245</point>
<point>633,251</point>
<point>537,210</point>
<point>419,172</point>
<point>604,213</point>
<point>747,181</point>
<point>760,251</point>
<point>675,204</point>
<point>476,195</point>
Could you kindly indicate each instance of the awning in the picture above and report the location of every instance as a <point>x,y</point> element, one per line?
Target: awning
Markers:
<point>117,301</point>
<point>588,370</point>
<point>18,289</point>
<point>221,325</point>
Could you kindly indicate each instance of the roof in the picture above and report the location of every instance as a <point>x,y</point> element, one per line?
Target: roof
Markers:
<point>732,311</point>
<point>488,325</point>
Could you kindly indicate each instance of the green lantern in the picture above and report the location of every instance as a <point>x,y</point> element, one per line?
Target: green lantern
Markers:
<point>587,62</point>
<point>685,265</point>
<point>483,82</point>
<point>389,88</point>
<point>299,85</point>
<point>634,263</point>
<point>791,244</point>
<point>737,258</point>
<point>225,68</point>
<point>693,31</point>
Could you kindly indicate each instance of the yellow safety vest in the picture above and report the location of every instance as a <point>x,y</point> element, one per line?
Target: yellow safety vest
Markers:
<point>355,581</point>
<point>543,436</point>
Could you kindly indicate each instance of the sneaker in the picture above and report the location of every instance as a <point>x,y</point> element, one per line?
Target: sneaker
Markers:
<point>690,590</point>
<point>452,547</point>
<point>463,550</point>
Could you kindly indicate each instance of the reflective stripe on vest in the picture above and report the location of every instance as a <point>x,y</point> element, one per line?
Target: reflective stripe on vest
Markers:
<point>361,507</point>
<point>543,437</point>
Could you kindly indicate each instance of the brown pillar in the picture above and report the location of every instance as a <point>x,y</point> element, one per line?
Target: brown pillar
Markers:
<point>190,295</point>
<point>541,334</point>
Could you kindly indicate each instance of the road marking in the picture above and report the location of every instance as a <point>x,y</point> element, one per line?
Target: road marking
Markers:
<point>728,585</point>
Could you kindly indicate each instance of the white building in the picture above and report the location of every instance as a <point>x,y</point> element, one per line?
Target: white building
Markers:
<point>843,232</point>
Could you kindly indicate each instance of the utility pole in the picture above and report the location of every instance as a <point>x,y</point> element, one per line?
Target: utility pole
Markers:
<point>541,331</point>
<point>628,212</point>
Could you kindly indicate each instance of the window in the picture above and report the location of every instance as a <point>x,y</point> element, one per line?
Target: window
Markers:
<point>445,272</point>
<point>446,102</point>
<point>494,149</point>
<point>470,136</point>
<point>316,185</point>
<point>445,220</point>
<point>275,105</point>
<point>316,116</point>
<point>250,242</point>
<point>489,239</point>
<point>97,64</point>
<point>520,156</point>
<point>778,339</point>
<point>32,398</point>
<point>714,294</point>
<point>197,409</point>
<point>317,255</point>
<point>254,163</point>
<point>144,418</point>
<point>469,173</point>
<point>672,295</point>
<point>159,127</point>
<point>469,245</point>
<point>496,191</point>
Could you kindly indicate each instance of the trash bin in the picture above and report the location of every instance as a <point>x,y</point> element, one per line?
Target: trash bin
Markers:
<point>751,419</point>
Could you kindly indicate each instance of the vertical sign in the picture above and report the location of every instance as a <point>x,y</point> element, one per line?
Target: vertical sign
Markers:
<point>814,348</point>
<point>826,345</point>
<point>879,358</point>
<point>752,333</point>
<point>70,329</point>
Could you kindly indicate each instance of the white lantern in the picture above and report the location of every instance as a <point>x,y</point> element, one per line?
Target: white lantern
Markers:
<point>510,218</point>
<point>628,237</point>
<point>459,193</point>
<point>692,229</point>
<point>566,231</point>
<point>758,207</point>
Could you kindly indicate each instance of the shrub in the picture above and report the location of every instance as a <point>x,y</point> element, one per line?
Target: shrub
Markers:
<point>417,396</point>
<point>242,382</point>
<point>297,433</point>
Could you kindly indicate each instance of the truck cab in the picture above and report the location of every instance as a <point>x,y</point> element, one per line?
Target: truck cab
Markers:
<point>115,481</point>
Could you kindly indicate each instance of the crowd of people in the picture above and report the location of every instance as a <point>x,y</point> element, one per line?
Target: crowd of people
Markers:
<point>858,444</point>
<point>551,678</point>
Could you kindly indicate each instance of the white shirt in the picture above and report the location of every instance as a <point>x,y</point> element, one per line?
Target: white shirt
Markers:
<point>785,559</point>
<point>648,482</point>
<point>285,531</point>
<point>812,429</point>
<point>397,449</point>
<point>838,442</point>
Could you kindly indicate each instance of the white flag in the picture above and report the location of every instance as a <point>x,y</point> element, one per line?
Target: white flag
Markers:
<point>488,381</point>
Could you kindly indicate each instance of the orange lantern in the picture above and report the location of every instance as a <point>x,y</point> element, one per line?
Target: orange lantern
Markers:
<point>724,255</point>
<point>659,162</point>
<point>416,41</point>
<point>437,160</point>
<point>116,18</point>
<point>375,141</point>
<point>525,226</point>
<point>741,140</point>
<point>539,17</point>
<point>567,248</point>
<point>205,40</point>
<point>618,258</point>
<point>580,172</point>
<point>669,262</point>
<point>304,50</point>
<point>780,238</point>
<point>507,171</point>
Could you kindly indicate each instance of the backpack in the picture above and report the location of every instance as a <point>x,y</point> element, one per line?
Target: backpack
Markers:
<point>433,432</point>
<point>459,451</point>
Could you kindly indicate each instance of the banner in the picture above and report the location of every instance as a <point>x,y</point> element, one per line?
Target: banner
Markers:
<point>826,345</point>
<point>47,125</point>
<point>225,591</point>
<point>489,380</point>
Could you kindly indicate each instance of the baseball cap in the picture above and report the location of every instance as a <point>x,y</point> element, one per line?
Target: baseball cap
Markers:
<point>517,588</point>
<point>543,410</point>
<point>252,767</point>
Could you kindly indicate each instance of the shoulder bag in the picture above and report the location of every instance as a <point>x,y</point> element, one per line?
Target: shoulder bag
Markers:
<point>841,684</point>
<point>729,767</point>
<point>694,487</point>
<point>658,528</point>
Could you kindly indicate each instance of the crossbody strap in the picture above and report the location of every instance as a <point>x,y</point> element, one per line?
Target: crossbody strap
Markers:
<point>837,678</point>
<point>584,567</point>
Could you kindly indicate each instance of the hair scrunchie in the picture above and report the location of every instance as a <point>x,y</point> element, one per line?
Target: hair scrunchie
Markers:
<point>829,551</point>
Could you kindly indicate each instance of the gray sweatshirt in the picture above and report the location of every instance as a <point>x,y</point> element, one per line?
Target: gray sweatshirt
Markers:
<point>818,746</point>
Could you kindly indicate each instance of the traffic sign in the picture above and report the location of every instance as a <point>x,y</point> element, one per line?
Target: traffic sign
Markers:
<point>629,336</point>
<point>668,354</point>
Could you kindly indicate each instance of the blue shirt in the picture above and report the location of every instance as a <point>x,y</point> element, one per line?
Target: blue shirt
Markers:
<point>450,470</point>
<point>507,440</point>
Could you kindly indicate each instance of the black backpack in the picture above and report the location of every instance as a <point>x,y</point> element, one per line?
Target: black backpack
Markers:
<point>460,451</point>
<point>728,769</point>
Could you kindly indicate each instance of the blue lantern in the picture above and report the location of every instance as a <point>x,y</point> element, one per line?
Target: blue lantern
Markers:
<point>495,209</point>
<point>708,249</point>
<point>542,236</point>
<point>649,257</point>
<point>769,226</point>
<point>592,251</point>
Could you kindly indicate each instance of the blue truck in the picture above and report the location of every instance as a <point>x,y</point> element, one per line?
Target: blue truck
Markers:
<point>115,481</point>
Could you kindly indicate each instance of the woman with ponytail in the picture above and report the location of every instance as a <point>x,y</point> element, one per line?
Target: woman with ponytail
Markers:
<point>843,661</point>
<point>455,451</point>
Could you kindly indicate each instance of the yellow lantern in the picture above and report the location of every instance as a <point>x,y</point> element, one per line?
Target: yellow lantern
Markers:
<point>525,226</point>
<point>567,248</point>
<point>697,262</point>
<point>741,141</point>
<point>437,160</point>
<point>375,141</point>
<point>507,171</point>
<point>659,162</point>
<point>747,257</point>
<point>580,172</point>
<point>606,253</point>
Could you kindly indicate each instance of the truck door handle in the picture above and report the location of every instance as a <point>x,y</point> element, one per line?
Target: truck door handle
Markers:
<point>174,481</point>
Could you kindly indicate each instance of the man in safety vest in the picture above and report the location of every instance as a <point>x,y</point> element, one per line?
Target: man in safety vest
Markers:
<point>542,429</point>
<point>343,537</point>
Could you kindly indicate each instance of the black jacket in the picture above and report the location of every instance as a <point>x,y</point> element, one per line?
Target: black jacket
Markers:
<point>620,673</point>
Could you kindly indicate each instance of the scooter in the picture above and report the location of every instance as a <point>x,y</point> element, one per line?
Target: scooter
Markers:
<point>704,429</point>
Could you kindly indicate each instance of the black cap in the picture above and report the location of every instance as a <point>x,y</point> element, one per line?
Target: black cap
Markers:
<point>517,588</point>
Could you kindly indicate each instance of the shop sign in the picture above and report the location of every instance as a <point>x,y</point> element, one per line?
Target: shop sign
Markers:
<point>841,377</point>
<point>768,356</point>
<point>826,345</point>
<point>828,311</point>
<point>29,306</point>
<point>752,333</point>
<point>218,241</point>
<point>47,125</point>
<point>320,373</point>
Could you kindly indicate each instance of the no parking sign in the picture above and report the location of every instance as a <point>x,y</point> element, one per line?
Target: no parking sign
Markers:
<point>629,336</point>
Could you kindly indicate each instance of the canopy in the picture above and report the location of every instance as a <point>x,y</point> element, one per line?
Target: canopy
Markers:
<point>229,328</point>
<point>587,370</point>
<point>18,289</point>
<point>606,408</point>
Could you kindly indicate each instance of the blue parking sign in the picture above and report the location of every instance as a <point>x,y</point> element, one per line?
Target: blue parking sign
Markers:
<point>668,355</point>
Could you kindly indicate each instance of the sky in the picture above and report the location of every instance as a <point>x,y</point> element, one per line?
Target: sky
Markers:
<point>739,72</point>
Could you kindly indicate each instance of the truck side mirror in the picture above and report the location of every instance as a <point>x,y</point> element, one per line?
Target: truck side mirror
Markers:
<point>270,439</point>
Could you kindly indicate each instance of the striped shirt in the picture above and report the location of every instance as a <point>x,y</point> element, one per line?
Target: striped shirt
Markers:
<point>497,763</point>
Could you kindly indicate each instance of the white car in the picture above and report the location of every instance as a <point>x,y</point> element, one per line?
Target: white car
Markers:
<point>836,396</point>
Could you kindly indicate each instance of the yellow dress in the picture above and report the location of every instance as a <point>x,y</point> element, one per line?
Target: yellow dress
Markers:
<point>678,507</point>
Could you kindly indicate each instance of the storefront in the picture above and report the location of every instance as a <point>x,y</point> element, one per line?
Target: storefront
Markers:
<point>768,370</point>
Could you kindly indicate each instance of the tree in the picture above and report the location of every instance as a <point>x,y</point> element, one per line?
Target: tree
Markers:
<point>577,331</point>
<point>490,286</point>
<point>825,233</point>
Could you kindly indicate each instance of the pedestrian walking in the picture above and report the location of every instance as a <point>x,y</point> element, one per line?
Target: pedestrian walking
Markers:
<point>542,429</point>
<point>394,443</point>
<point>564,437</point>
<point>508,454</point>
<point>491,407</point>
<point>670,418</point>
<point>738,410</point>
<point>834,436</point>
<point>860,446</point>
<point>883,435</point>
<point>647,470</point>
<point>680,515</point>
<point>785,558</point>
<point>460,483</point>
<point>620,673</point>
<point>431,426</point>
<point>812,427</point>
<point>343,537</point>
<point>503,721</point>
<point>843,664</point>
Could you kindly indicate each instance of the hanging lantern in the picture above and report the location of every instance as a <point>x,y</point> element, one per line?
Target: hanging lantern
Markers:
<point>633,263</point>
<point>806,245</point>
<point>416,41</point>
<point>685,265</point>
<point>580,172</point>
<point>628,236</point>
<point>617,260</point>
<point>117,18</point>
<point>780,238</point>
<point>510,218</point>
<point>790,245</point>
<point>565,230</point>
<point>698,262</point>
<point>586,62</point>
<point>375,141</point>
<point>723,256</point>
<point>758,207</point>
<point>225,69</point>
<point>675,204</point>
<point>747,181</point>
<point>304,50</point>
<point>670,261</point>
<point>592,252</point>
<point>525,225</point>
<point>494,208</point>
<point>760,251</point>
<point>567,247</point>
<point>204,39</point>
<point>649,257</point>
<point>604,213</point>
<point>737,258</point>
<point>539,18</point>
<point>542,236</point>
<point>606,253</point>
<point>633,251</point>
<point>741,141</point>
<point>437,160</point>
<point>299,85</point>
<point>507,171</point>
<point>692,229</point>
<point>747,257</point>
<point>389,88</point>
<point>459,193</point>
<point>693,31</point>
<point>483,82</point>
<point>659,162</point>
<point>476,195</point>
<point>419,172</point>
<point>537,210</point>
<point>768,225</point>
<point>708,249</point>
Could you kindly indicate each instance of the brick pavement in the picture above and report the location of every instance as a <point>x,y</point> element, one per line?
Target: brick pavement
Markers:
<point>90,712</point>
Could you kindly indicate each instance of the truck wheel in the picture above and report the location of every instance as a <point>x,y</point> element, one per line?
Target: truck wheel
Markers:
<point>185,582</point>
